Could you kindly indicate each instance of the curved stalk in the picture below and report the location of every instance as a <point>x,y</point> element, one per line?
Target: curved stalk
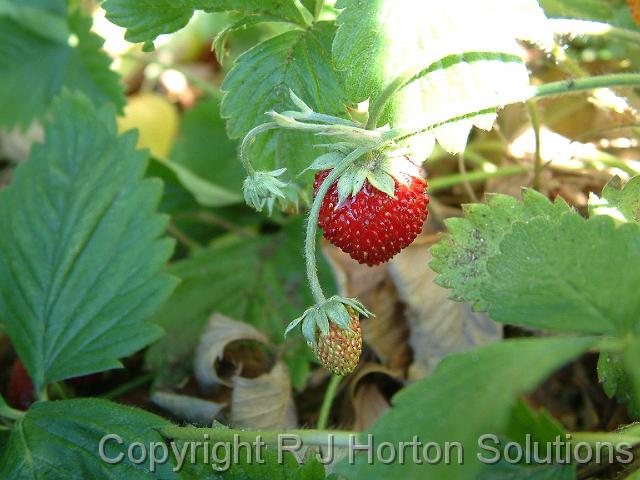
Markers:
<point>587,83</point>
<point>248,140</point>
<point>312,222</point>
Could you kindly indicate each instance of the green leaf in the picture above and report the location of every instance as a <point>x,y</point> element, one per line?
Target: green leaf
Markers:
<point>60,441</point>
<point>205,192</point>
<point>146,19</point>
<point>622,202</point>
<point>452,404</point>
<point>259,280</point>
<point>461,256</point>
<point>467,50</point>
<point>300,61</point>
<point>613,373</point>
<point>574,275</point>
<point>80,249</point>
<point>600,10</point>
<point>204,148</point>
<point>49,25</point>
<point>34,68</point>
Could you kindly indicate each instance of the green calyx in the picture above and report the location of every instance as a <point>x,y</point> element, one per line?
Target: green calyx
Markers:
<point>262,189</point>
<point>318,317</point>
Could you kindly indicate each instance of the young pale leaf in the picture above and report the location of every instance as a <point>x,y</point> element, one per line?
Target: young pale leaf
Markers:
<point>80,251</point>
<point>464,55</point>
<point>60,441</point>
<point>461,256</point>
<point>438,409</point>
<point>35,68</point>
<point>146,19</point>
<point>298,61</point>
<point>622,202</point>
<point>572,275</point>
<point>617,381</point>
<point>258,280</point>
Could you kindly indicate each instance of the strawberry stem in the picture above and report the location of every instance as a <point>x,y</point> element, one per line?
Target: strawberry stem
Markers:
<point>327,401</point>
<point>248,140</point>
<point>11,413</point>
<point>312,222</point>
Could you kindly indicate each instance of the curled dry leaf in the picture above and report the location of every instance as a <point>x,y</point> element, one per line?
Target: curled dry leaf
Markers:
<point>370,391</point>
<point>191,409</point>
<point>220,332</point>
<point>258,401</point>
<point>264,402</point>
<point>439,325</point>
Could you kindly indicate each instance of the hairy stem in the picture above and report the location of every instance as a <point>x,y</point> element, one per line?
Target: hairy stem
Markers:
<point>329,396</point>
<point>248,140</point>
<point>535,124</point>
<point>319,438</point>
<point>379,104</point>
<point>587,83</point>
<point>312,222</point>
<point>476,176</point>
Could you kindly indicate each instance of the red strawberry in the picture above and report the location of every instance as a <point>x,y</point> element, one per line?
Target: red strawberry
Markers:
<point>339,350</point>
<point>371,226</point>
<point>20,392</point>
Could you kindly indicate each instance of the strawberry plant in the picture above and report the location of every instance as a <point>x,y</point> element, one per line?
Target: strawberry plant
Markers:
<point>319,239</point>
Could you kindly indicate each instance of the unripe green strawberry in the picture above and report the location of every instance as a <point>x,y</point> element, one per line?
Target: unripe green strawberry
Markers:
<point>339,350</point>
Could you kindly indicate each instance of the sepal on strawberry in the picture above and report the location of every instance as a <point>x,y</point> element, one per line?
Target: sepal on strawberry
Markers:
<point>262,189</point>
<point>332,330</point>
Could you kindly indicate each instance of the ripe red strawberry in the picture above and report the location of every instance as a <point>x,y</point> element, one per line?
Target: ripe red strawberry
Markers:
<point>371,226</point>
<point>20,392</point>
<point>634,6</point>
<point>339,350</point>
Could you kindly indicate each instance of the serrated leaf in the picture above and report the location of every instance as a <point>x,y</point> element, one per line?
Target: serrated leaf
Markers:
<point>461,256</point>
<point>79,248</point>
<point>259,280</point>
<point>34,69</point>
<point>467,51</point>
<point>622,202</point>
<point>298,61</point>
<point>572,275</point>
<point>59,441</point>
<point>494,376</point>
<point>146,19</point>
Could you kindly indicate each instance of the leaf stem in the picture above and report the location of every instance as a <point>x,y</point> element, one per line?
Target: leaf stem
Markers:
<point>319,438</point>
<point>476,176</point>
<point>379,104</point>
<point>248,140</point>
<point>128,386</point>
<point>587,83</point>
<point>11,413</point>
<point>329,396</point>
<point>537,157</point>
<point>312,222</point>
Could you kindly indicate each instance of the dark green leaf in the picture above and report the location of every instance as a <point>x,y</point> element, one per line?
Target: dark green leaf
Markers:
<point>452,405</point>
<point>60,441</point>
<point>461,256</point>
<point>572,275</point>
<point>300,61</point>
<point>614,374</point>
<point>34,69</point>
<point>146,19</point>
<point>80,249</point>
